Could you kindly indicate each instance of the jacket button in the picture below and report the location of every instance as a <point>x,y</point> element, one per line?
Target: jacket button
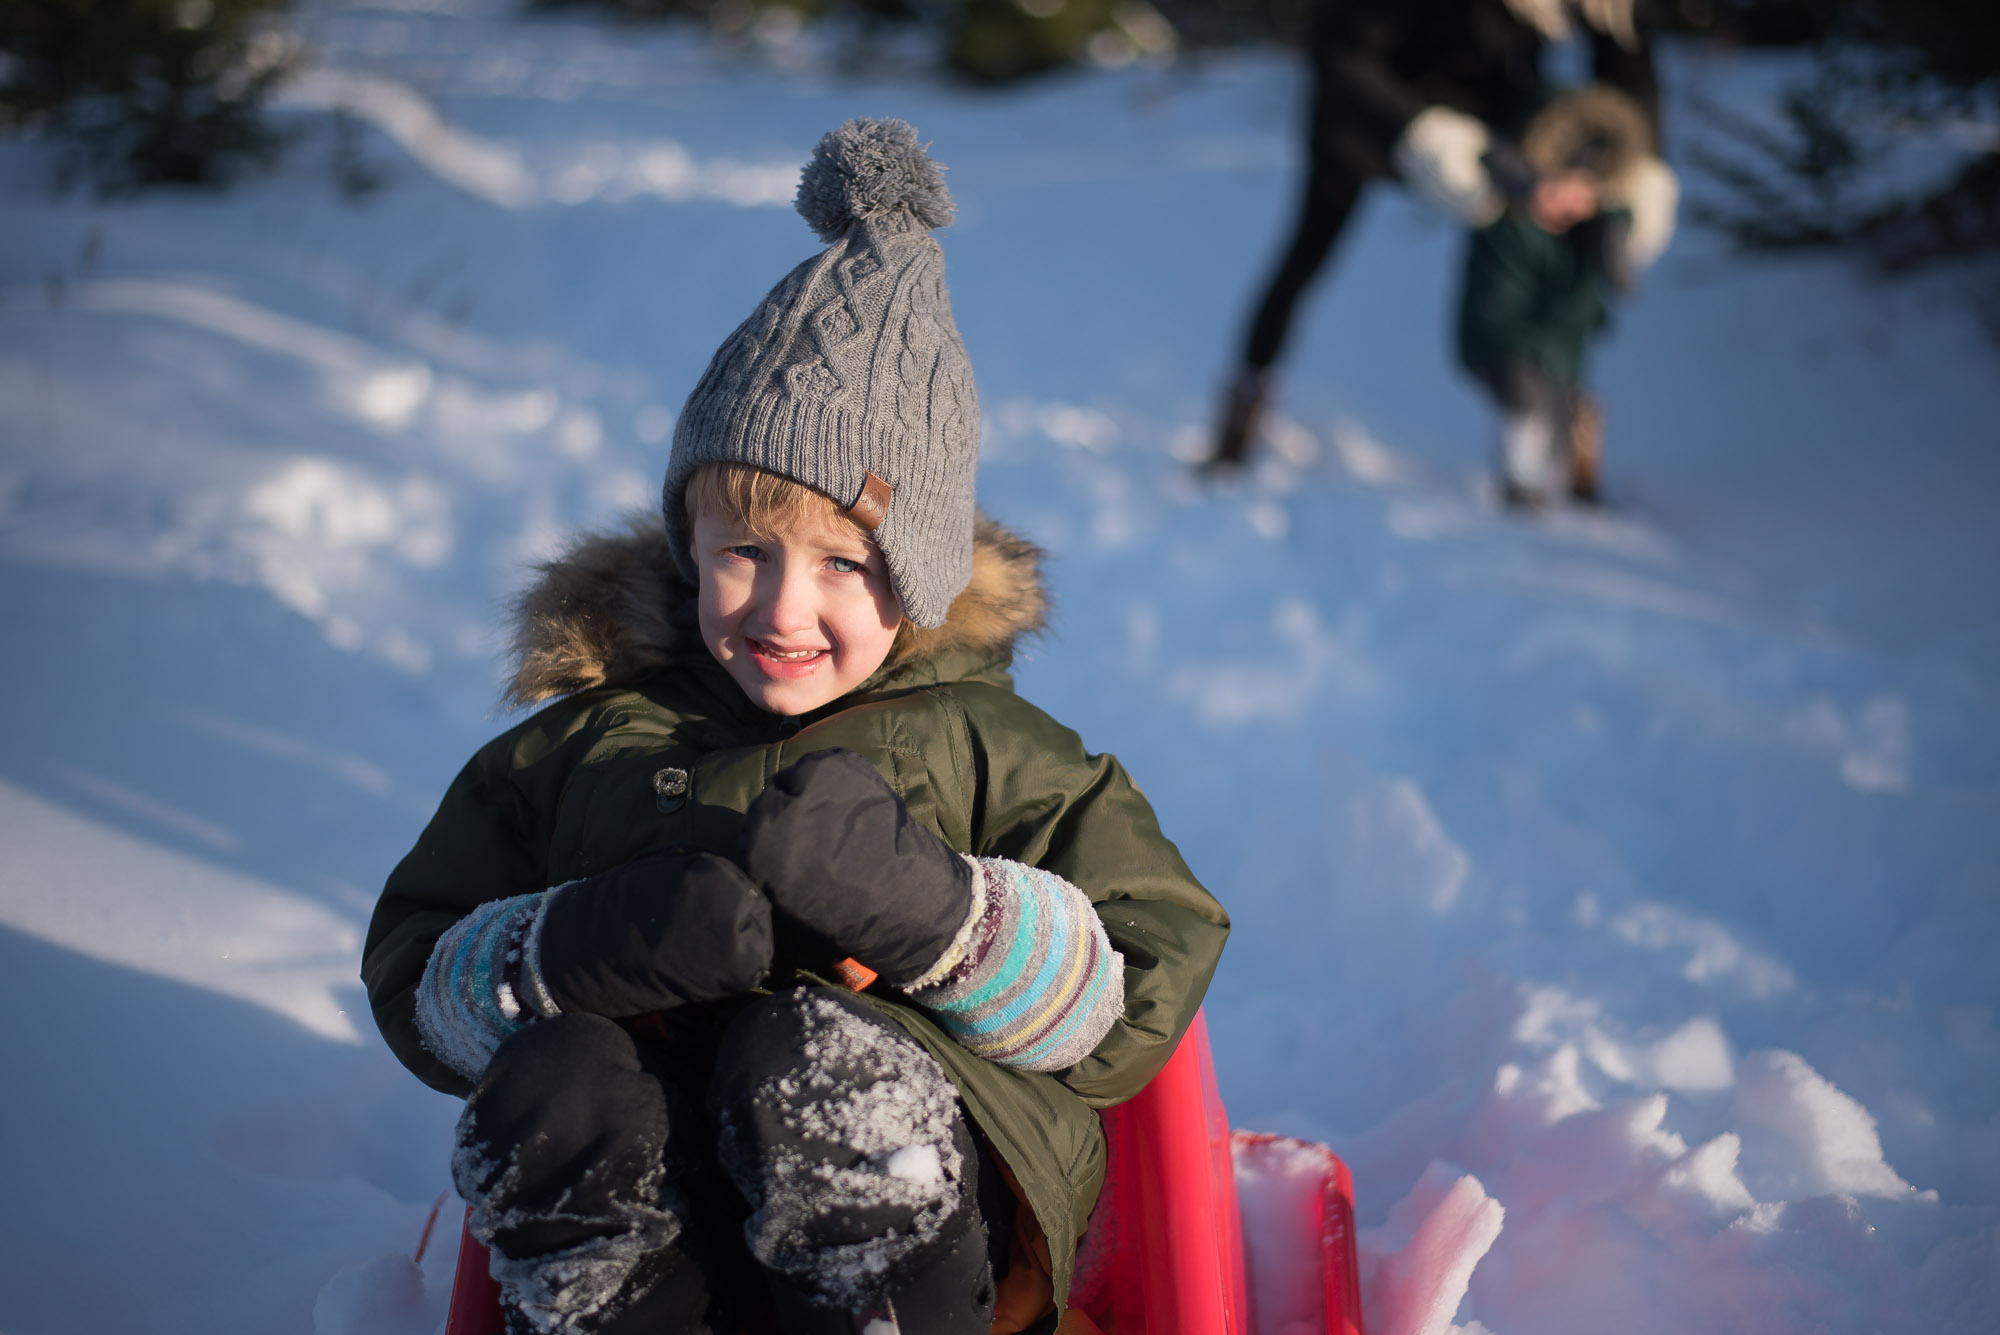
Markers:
<point>670,789</point>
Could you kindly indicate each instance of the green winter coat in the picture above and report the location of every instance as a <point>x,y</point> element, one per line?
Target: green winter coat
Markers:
<point>570,792</point>
<point>1531,296</point>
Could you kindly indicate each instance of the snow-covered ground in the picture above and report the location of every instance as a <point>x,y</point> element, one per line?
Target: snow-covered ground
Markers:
<point>1644,867</point>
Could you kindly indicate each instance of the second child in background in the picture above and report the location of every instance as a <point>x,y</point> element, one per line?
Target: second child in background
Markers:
<point>1434,94</point>
<point>1538,286</point>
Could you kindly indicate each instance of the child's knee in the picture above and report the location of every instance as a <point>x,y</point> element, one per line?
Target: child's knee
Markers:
<point>565,1097</point>
<point>846,1138</point>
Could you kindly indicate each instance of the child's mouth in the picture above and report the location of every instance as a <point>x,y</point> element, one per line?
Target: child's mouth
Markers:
<point>776,662</point>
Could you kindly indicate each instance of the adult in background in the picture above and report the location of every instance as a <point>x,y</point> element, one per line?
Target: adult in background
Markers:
<point>1436,94</point>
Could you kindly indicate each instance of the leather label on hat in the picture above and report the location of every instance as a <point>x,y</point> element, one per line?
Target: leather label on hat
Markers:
<point>872,506</point>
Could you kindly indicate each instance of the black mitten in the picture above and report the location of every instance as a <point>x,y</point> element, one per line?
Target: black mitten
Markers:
<point>662,930</point>
<point>840,854</point>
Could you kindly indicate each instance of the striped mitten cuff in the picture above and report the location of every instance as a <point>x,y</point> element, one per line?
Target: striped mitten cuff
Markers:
<point>1031,979</point>
<point>483,983</point>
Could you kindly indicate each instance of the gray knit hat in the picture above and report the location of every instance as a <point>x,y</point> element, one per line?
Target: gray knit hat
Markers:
<point>850,376</point>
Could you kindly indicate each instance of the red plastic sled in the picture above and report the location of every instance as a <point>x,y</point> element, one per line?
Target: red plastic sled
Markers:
<point>1167,1252</point>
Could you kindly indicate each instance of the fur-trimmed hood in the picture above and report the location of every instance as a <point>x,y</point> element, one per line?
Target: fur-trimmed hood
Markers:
<point>613,608</point>
<point>1598,129</point>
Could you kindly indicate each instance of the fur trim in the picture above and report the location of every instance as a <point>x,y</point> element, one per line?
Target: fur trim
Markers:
<point>1003,601</point>
<point>1597,128</point>
<point>603,613</point>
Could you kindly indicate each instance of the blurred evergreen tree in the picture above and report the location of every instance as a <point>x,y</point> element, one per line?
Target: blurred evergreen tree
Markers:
<point>999,41</point>
<point>148,91</point>
<point>1883,71</point>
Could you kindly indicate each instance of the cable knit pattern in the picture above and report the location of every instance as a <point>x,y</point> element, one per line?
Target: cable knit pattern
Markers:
<point>482,983</point>
<point>853,365</point>
<point>1036,984</point>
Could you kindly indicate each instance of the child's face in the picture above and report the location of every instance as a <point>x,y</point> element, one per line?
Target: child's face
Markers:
<point>798,620</point>
<point>1561,202</point>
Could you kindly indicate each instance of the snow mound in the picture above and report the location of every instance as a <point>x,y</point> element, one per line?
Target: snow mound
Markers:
<point>1802,1137</point>
<point>384,1295</point>
<point>1417,1268</point>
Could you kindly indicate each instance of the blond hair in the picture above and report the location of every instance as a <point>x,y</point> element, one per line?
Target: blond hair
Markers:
<point>765,503</point>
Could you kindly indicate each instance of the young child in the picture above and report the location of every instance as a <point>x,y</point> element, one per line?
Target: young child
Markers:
<point>784,737</point>
<point>1538,284</point>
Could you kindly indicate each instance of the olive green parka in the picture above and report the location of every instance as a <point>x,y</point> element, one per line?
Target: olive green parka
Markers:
<point>609,635</point>
<point>1533,296</point>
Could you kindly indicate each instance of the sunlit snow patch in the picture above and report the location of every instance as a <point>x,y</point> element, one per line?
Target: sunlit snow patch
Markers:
<point>499,175</point>
<point>384,392</point>
<point>92,889</point>
<point>1871,743</point>
<point>489,171</point>
<point>1804,1137</point>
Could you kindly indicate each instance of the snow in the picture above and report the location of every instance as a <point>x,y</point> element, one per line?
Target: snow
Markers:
<point>1625,879</point>
<point>813,1152</point>
<point>85,886</point>
<point>1417,1266</point>
<point>382,1296</point>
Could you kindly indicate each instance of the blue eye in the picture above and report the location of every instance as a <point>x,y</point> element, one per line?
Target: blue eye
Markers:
<point>747,551</point>
<point>843,566</point>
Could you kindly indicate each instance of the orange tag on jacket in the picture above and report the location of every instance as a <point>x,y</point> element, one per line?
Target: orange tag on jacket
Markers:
<point>854,975</point>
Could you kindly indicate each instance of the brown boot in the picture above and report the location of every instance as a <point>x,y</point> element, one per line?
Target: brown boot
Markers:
<point>1242,412</point>
<point>1586,448</point>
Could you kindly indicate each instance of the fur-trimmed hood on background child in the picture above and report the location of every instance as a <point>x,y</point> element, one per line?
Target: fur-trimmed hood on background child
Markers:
<point>1598,130</point>
<point>614,608</point>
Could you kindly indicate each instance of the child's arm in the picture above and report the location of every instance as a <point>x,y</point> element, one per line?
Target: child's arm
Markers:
<point>660,931</point>
<point>1043,801</point>
<point>480,847</point>
<point>1080,884</point>
<point>466,944</point>
<point>1033,980</point>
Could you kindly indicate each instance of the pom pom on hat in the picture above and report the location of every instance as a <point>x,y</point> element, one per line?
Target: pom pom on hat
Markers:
<point>850,377</point>
<point>871,169</point>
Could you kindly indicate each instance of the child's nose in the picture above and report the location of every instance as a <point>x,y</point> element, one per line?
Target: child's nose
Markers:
<point>791,606</point>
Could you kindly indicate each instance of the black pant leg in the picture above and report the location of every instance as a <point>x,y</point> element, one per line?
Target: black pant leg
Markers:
<point>581,1155</point>
<point>1519,386</point>
<point>848,1142</point>
<point>1331,191</point>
